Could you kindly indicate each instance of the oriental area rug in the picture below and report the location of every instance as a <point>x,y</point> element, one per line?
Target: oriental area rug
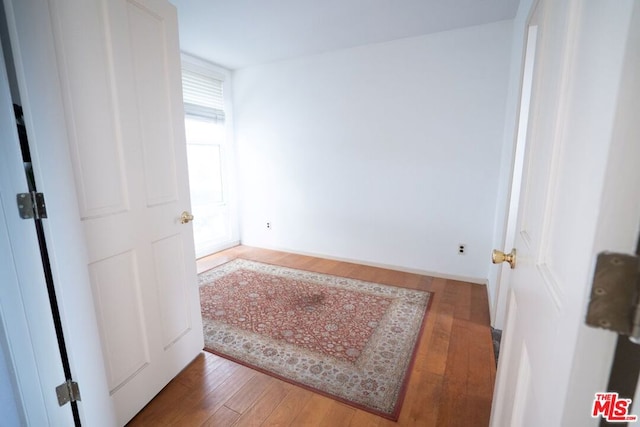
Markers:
<point>351,340</point>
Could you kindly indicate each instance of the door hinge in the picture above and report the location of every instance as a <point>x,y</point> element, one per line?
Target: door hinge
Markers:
<point>614,303</point>
<point>31,205</point>
<point>69,391</point>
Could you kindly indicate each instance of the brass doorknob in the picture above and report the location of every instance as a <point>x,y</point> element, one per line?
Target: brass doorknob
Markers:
<point>498,256</point>
<point>186,218</point>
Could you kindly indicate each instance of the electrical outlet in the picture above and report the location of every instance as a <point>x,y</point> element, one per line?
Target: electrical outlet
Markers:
<point>462,248</point>
<point>268,225</point>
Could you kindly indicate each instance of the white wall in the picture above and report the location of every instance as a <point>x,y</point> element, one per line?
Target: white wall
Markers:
<point>386,154</point>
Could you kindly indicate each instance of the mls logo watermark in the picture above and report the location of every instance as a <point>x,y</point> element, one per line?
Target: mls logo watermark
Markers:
<point>612,408</point>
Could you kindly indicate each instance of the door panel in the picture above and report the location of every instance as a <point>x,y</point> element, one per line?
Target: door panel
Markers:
<point>141,257</point>
<point>523,393</point>
<point>95,139</point>
<point>149,49</point>
<point>117,295</point>
<point>173,300</point>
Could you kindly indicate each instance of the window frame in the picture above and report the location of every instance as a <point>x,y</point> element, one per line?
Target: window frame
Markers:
<point>227,148</point>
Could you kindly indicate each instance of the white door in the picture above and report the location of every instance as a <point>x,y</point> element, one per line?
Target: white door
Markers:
<point>120,68</point>
<point>579,196</point>
<point>27,337</point>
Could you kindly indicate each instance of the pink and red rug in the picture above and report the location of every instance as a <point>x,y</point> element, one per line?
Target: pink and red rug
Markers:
<point>351,340</point>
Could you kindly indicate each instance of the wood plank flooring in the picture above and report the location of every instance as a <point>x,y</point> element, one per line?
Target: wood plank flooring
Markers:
<point>451,383</point>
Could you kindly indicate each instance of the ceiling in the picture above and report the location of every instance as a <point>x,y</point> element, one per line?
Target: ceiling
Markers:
<point>240,33</point>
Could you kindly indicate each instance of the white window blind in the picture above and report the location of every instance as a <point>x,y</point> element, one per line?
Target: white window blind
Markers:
<point>202,95</point>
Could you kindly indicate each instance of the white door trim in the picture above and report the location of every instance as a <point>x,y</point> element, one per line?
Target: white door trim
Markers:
<point>29,374</point>
<point>39,85</point>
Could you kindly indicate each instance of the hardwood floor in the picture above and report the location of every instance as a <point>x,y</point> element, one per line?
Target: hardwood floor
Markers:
<point>451,383</point>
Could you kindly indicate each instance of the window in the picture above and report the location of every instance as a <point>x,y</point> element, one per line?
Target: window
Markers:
<point>208,155</point>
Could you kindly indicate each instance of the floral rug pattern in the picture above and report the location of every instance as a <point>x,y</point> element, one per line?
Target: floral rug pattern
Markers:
<point>346,338</point>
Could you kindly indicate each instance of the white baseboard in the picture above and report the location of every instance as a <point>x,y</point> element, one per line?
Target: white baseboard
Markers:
<point>220,248</point>
<point>480,281</point>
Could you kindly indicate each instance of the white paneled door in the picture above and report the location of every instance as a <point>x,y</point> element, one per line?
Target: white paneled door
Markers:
<point>579,196</point>
<point>120,67</point>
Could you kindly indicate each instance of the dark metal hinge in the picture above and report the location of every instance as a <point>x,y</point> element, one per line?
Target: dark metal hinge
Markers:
<point>31,205</point>
<point>69,391</point>
<point>615,303</point>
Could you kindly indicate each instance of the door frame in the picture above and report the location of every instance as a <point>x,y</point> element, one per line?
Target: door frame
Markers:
<point>39,85</point>
<point>27,342</point>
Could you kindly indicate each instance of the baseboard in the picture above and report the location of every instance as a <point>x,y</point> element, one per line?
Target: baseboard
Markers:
<point>221,247</point>
<point>480,281</point>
